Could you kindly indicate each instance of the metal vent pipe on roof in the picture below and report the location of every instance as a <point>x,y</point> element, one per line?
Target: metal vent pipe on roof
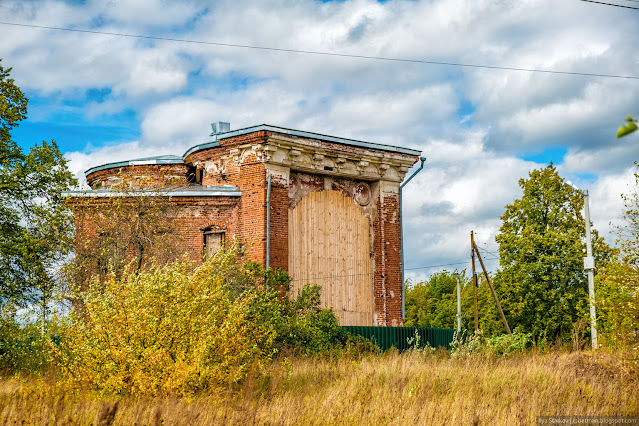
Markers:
<point>220,127</point>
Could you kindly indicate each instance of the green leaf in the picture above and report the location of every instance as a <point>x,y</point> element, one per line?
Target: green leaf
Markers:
<point>627,129</point>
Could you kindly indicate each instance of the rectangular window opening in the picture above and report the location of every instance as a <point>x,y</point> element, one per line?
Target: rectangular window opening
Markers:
<point>213,242</point>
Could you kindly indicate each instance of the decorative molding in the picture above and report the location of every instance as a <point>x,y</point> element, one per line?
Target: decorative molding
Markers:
<point>362,193</point>
<point>318,157</point>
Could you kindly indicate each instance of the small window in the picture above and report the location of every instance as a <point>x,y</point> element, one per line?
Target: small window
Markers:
<point>194,175</point>
<point>213,242</point>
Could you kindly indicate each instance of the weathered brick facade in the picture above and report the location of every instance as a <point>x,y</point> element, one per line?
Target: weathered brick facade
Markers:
<point>223,186</point>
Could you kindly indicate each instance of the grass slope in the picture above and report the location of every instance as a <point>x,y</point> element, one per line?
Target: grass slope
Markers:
<point>411,388</point>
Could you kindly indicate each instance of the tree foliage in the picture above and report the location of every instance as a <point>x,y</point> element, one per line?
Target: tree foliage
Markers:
<point>542,283</point>
<point>433,303</point>
<point>171,329</point>
<point>35,228</point>
<point>129,225</point>
<point>617,284</point>
<point>181,329</point>
<point>23,345</point>
<point>629,127</point>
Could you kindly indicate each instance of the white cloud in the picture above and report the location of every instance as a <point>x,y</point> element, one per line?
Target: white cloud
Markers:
<point>154,72</point>
<point>80,161</point>
<point>147,13</point>
<point>463,187</point>
<point>617,155</point>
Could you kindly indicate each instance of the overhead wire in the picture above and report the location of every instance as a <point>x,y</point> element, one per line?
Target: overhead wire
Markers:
<point>611,4</point>
<point>436,266</point>
<point>324,53</point>
<point>325,277</point>
<point>330,277</point>
<point>493,254</point>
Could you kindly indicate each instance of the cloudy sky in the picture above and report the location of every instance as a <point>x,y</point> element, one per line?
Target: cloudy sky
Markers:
<point>106,98</point>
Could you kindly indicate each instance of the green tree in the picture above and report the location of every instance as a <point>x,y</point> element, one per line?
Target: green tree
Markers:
<point>617,284</point>
<point>433,303</point>
<point>542,285</point>
<point>35,228</point>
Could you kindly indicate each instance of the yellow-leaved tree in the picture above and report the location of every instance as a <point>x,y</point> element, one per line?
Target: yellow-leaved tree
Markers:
<point>172,329</point>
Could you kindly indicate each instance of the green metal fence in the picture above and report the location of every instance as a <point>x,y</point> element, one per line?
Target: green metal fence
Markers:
<point>399,337</point>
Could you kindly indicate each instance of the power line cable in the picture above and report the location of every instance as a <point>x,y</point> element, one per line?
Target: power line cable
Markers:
<point>488,251</point>
<point>493,254</point>
<point>325,277</point>
<point>446,264</point>
<point>611,4</point>
<point>322,53</point>
<point>436,266</point>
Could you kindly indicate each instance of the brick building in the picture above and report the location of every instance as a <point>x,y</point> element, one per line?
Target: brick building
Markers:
<point>324,208</point>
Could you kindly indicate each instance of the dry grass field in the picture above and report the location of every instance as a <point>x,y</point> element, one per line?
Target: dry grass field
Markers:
<point>410,388</point>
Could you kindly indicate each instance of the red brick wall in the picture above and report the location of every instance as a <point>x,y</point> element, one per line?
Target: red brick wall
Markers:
<point>388,273</point>
<point>229,174</point>
<point>249,175</point>
<point>252,214</point>
<point>142,176</point>
<point>246,217</point>
<point>279,226</point>
<point>190,217</point>
<point>199,213</point>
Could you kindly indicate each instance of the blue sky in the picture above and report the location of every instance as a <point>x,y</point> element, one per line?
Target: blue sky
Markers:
<point>106,98</point>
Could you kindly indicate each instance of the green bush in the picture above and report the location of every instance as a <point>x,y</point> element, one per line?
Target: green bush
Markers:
<point>305,327</point>
<point>23,347</point>
<point>299,324</point>
<point>507,344</point>
<point>504,345</point>
<point>181,329</point>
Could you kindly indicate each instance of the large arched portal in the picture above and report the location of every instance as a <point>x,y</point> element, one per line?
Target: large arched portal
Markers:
<point>329,245</point>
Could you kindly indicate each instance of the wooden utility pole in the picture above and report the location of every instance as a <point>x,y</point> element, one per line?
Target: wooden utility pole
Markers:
<point>472,256</point>
<point>490,284</point>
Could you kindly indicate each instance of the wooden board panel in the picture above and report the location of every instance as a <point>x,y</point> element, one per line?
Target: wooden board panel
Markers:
<point>329,245</point>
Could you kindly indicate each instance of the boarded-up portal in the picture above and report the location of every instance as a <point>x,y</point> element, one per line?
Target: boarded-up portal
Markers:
<point>329,245</point>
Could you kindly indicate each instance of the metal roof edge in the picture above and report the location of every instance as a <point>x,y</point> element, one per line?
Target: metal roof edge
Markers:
<point>199,147</point>
<point>217,137</point>
<point>346,141</point>
<point>134,162</point>
<point>207,191</point>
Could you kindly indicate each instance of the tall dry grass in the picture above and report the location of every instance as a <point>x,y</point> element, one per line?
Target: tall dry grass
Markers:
<point>411,388</point>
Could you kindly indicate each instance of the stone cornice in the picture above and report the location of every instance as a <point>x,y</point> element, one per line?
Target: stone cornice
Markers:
<point>319,157</point>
